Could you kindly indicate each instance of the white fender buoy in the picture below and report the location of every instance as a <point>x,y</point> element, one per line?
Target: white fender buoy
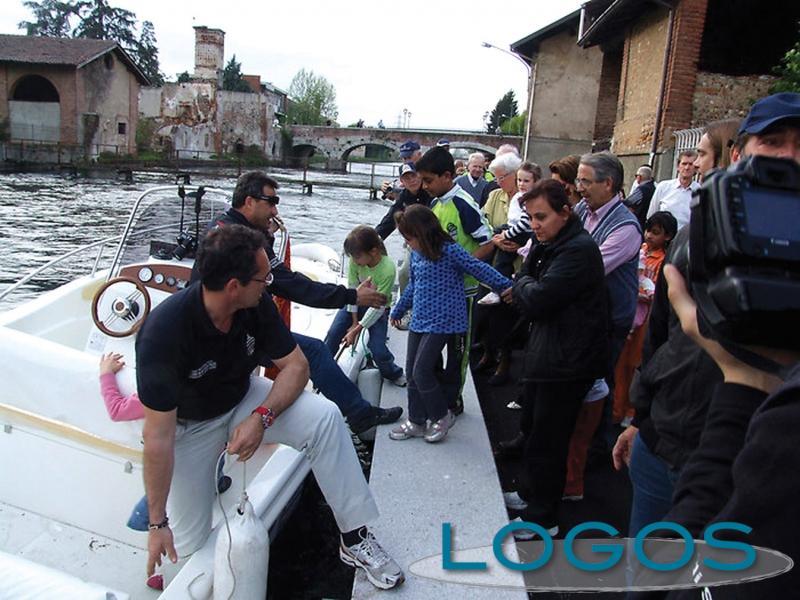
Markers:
<point>243,576</point>
<point>351,359</point>
<point>370,383</point>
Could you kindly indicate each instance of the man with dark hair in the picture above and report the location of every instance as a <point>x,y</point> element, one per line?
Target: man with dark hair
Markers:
<point>195,355</point>
<point>255,204</point>
<point>675,195</point>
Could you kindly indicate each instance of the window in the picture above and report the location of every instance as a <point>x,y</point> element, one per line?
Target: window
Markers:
<point>122,128</point>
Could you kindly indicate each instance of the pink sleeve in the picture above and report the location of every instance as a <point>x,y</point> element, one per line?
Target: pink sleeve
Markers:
<point>620,246</point>
<point>119,407</point>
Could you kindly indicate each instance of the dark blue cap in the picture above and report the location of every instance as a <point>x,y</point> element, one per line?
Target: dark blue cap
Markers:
<point>443,142</point>
<point>408,148</point>
<point>770,110</point>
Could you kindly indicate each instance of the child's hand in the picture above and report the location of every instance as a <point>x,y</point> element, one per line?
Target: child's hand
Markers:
<point>111,363</point>
<point>394,323</point>
<point>351,336</point>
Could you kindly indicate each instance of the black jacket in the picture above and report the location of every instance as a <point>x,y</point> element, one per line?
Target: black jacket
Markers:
<point>562,291</point>
<point>290,285</point>
<point>404,200</point>
<point>639,200</point>
<point>676,379</point>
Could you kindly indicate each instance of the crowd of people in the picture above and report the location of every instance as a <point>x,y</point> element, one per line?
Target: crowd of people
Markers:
<point>566,265</point>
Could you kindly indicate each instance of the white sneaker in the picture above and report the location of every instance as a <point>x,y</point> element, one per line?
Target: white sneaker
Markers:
<point>514,501</point>
<point>526,535</point>
<point>573,497</point>
<point>378,566</point>
<point>490,299</point>
<point>513,405</point>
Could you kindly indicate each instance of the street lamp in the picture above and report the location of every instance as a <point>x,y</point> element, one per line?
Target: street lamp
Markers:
<point>530,91</point>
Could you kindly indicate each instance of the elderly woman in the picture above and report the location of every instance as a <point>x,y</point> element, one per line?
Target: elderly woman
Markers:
<point>561,290</point>
<point>494,337</point>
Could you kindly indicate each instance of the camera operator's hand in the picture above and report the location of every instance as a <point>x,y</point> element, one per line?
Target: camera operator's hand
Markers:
<point>733,370</point>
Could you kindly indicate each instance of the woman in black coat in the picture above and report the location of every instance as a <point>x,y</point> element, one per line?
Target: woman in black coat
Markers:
<point>562,290</point>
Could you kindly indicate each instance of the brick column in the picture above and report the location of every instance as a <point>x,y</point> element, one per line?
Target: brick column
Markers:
<point>687,35</point>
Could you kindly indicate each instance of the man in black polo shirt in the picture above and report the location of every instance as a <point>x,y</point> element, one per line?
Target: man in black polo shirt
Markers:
<point>254,205</point>
<point>195,355</point>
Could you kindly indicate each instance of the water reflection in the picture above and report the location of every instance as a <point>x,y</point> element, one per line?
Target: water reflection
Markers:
<point>47,215</point>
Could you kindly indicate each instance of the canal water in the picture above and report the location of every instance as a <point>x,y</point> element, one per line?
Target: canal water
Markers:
<point>47,215</point>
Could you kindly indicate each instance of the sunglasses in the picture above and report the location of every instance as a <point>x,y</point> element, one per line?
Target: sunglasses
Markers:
<point>271,199</point>
<point>266,280</point>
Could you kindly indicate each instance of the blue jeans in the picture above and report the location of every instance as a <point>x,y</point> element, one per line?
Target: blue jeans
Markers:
<point>653,484</point>
<point>378,333</point>
<point>331,381</point>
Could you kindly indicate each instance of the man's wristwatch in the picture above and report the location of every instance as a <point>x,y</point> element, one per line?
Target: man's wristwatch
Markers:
<point>267,416</point>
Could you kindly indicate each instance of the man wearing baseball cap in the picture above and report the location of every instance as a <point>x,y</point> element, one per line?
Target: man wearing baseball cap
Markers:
<point>409,153</point>
<point>411,193</point>
<point>772,128</point>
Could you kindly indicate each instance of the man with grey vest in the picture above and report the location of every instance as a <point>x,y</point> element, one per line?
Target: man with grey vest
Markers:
<point>473,180</point>
<point>619,237</point>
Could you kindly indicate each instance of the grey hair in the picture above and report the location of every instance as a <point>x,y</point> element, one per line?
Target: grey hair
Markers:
<point>480,155</point>
<point>690,153</point>
<point>645,172</point>
<point>606,166</point>
<point>507,149</point>
<point>508,162</point>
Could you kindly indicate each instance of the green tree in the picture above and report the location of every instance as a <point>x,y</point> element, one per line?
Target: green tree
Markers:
<point>232,79</point>
<point>184,77</point>
<point>788,72</point>
<point>52,18</point>
<point>506,109</point>
<point>515,125</point>
<point>147,54</point>
<point>96,19</point>
<point>313,99</point>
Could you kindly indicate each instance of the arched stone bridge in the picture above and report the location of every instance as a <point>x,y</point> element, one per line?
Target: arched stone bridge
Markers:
<point>336,143</point>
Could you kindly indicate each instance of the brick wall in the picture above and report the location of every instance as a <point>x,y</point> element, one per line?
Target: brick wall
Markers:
<point>687,35</point>
<point>640,81</point>
<point>608,96</point>
<point>718,96</point>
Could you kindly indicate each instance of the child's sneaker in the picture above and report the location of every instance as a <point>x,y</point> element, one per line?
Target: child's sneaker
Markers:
<point>490,299</point>
<point>437,430</point>
<point>407,430</point>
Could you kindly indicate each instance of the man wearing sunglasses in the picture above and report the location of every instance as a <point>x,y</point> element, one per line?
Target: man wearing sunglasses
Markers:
<point>254,205</point>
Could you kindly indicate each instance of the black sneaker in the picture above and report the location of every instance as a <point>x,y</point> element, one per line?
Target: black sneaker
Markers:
<point>379,416</point>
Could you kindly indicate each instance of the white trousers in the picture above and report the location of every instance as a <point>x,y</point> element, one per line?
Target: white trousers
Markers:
<point>312,423</point>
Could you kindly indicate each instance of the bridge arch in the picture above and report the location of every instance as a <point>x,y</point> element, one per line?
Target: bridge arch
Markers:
<point>346,149</point>
<point>471,147</point>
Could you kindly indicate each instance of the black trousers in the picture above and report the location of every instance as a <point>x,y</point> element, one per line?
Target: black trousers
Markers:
<point>548,417</point>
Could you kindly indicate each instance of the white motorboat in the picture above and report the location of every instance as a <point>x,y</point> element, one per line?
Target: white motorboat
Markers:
<point>69,476</point>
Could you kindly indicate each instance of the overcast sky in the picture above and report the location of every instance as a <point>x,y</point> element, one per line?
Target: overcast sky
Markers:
<point>423,56</point>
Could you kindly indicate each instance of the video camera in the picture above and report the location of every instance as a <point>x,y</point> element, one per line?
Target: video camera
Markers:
<point>744,253</point>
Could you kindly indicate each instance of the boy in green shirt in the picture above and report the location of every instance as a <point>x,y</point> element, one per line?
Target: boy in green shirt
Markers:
<point>368,262</point>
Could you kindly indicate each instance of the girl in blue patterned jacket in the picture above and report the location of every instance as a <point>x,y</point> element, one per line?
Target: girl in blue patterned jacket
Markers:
<point>436,290</point>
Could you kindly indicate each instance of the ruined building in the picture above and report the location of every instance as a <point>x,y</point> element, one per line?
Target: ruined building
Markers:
<point>198,119</point>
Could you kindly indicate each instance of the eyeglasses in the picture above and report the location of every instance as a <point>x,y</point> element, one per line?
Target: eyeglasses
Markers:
<point>266,280</point>
<point>502,177</point>
<point>271,199</point>
<point>584,182</point>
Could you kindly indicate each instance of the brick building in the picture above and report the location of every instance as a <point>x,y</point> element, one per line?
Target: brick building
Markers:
<point>198,119</point>
<point>666,66</point>
<point>79,93</point>
<point>683,64</point>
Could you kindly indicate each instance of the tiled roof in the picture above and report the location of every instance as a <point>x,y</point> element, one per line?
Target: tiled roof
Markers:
<point>75,52</point>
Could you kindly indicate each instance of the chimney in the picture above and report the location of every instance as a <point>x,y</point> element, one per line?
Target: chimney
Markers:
<point>209,54</point>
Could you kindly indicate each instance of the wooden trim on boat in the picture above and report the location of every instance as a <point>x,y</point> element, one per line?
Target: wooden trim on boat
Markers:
<point>70,432</point>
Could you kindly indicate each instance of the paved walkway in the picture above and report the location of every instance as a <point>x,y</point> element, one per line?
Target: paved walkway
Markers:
<point>418,486</point>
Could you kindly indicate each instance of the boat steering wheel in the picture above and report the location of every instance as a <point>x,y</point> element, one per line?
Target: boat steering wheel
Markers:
<point>119,313</point>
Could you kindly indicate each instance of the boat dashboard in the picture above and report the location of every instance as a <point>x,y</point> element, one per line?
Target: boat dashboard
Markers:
<point>165,277</point>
